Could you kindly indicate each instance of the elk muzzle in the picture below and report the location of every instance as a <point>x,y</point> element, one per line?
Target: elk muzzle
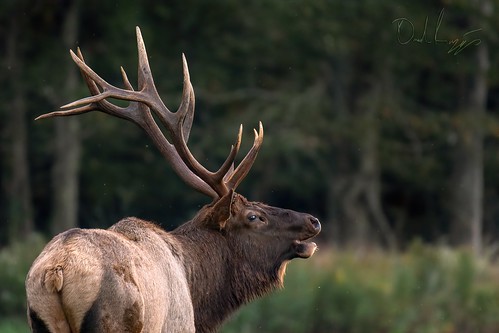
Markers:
<point>302,247</point>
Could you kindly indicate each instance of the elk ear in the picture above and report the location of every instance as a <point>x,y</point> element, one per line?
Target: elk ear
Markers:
<point>222,211</point>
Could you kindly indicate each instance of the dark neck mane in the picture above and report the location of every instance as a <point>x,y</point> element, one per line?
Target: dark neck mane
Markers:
<point>220,278</point>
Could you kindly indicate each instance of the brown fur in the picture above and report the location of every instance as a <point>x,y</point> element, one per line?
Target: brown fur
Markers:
<point>135,277</point>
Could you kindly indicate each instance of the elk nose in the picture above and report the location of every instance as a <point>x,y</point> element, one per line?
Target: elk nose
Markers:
<point>315,223</point>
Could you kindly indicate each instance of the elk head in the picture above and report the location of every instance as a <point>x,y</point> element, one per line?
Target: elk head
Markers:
<point>232,242</point>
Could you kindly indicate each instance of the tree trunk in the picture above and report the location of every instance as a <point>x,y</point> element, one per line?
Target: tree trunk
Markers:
<point>371,174</point>
<point>65,171</point>
<point>368,222</point>
<point>354,189</point>
<point>467,195</point>
<point>19,208</point>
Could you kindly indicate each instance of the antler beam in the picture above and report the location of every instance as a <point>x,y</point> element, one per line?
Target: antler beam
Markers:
<point>178,124</point>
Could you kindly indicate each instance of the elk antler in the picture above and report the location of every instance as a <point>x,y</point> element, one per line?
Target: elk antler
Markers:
<point>178,124</point>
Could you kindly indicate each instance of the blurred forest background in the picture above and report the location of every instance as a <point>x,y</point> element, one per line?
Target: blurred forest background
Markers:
<point>381,118</point>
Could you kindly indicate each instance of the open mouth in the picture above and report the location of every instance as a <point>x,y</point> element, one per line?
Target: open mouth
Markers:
<point>304,249</point>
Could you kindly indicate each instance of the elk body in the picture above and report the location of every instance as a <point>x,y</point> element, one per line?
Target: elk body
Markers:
<point>136,277</point>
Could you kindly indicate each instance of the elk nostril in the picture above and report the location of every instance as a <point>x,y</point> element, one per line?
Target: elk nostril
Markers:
<point>315,223</point>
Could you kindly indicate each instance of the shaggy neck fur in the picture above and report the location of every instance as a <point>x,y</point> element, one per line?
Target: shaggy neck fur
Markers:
<point>224,274</point>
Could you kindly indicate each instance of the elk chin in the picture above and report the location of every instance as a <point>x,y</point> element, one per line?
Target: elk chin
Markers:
<point>304,249</point>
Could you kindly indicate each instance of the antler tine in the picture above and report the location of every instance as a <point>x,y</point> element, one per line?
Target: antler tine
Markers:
<point>130,113</point>
<point>92,87</point>
<point>146,81</point>
<point>228,165</point>
<point>147,87</point>
<point>183,120</point>
<point>100,105</point>
<point>66,113</point>
<point>185,115</point>
<point>186,108</point>
<point>108,90</point>
<point>237,175</point>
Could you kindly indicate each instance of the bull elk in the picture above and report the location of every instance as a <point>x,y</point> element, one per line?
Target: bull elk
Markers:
<point>136,277</point>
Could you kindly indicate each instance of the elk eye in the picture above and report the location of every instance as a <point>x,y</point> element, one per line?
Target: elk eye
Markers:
<point>252,217</point>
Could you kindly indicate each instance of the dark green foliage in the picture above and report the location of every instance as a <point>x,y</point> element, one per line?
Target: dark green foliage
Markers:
<point>14,265</point>
<point>425,290</point>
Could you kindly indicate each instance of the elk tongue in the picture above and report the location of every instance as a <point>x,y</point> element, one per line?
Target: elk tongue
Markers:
<point>304,249</point>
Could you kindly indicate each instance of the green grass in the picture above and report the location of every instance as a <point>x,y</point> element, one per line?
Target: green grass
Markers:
<point>14,265</point>
<point>14,325</point>
<point>426,290</point>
